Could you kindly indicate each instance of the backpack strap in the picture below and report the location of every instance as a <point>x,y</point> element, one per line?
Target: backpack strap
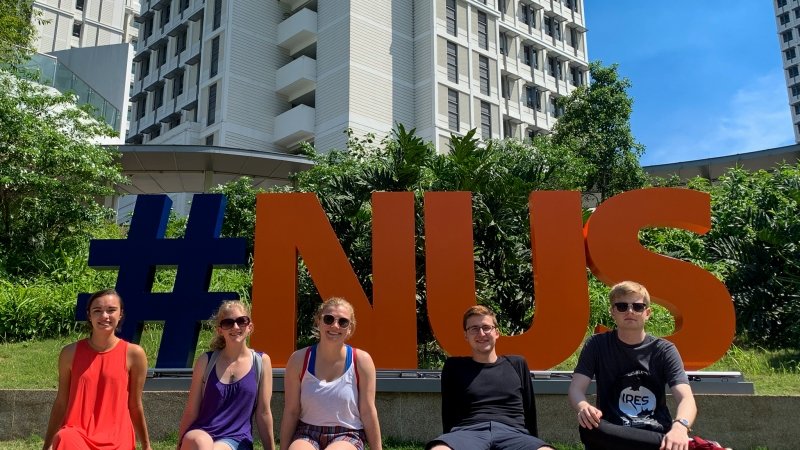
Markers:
<point>212,362</point>
<point>305,363</point>
<point>258,364</point>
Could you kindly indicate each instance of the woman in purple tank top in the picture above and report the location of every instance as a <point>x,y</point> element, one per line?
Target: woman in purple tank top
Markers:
<point>224,397</point>
<point>329,388</point>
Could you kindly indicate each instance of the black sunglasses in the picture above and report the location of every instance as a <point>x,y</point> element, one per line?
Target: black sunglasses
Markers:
<point>623,307</point>
<point>227,324</point>
<point>328,319</point>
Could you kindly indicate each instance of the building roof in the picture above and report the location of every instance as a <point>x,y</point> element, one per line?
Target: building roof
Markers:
<point>156,169</point>
<point>712,168</point>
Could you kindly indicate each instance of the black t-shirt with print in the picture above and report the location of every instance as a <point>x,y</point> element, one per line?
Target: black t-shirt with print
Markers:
<point>631,379</point>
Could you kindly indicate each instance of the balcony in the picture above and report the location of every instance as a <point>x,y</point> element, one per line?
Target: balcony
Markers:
<point>298,31</point>
<point>297,78</point>
<point>294,126</point>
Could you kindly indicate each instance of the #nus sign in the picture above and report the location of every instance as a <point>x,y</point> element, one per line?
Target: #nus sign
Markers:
<point>292,225</point>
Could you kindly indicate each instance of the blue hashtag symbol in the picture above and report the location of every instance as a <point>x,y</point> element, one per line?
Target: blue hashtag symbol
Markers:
<point>194,256</point>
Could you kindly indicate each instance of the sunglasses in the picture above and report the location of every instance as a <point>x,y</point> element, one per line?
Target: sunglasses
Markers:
<point>328,319</point>
<point>623,307</point>
<point>227,324</point>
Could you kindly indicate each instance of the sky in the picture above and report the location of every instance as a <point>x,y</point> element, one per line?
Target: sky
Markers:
<point>707,77</point>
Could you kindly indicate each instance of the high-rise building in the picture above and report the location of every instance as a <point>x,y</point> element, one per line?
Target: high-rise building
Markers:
<point>85,23</point>
<point>787,18</point>
<point>269,75</point>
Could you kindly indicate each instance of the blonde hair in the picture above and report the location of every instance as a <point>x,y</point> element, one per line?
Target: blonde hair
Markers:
<point>478,310</point>
<point>218,343</point>
<point>628,287</point>
<point>331,303</point>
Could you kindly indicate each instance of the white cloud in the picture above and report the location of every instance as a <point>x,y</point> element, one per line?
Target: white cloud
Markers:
<point>757,117</point>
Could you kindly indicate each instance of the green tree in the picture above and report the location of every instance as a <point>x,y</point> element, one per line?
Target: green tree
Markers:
<point>52,172</point>
<point>17,31</point>
<point>596,126</point>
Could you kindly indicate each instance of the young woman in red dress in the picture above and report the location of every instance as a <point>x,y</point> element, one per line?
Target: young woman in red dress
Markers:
<point>100,381</point>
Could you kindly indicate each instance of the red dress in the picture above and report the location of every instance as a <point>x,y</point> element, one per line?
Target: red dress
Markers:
<point>97,416</point>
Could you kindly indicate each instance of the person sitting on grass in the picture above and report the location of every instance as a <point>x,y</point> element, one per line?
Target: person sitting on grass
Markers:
<point>487,400</point>
<point>631,369</point>
<point>100,380</point>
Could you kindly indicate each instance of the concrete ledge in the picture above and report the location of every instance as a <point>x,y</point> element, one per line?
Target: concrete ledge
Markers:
<point>743,422</point>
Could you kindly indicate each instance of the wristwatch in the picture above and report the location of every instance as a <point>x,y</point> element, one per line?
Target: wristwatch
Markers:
<point>685,423</point>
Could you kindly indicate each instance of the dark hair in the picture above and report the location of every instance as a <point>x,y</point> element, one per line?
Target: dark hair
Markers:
<point>99,294</point>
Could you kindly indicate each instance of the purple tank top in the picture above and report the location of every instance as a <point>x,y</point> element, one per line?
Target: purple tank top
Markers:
<point>226,409</point>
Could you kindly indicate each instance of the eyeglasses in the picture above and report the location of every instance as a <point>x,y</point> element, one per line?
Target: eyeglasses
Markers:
<point>623,307</point>
<point>328,319</point>
<point>227,324</point>
<point>475,329</point>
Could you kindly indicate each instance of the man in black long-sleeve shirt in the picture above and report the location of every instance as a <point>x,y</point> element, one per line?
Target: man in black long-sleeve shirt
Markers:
<point>487,400</point>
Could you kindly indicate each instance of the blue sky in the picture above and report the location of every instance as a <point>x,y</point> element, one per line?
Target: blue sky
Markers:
<point>707,76</point>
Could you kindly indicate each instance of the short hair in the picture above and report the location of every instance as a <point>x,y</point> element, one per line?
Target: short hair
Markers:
<point>478,310</point>
<point>628,287</point>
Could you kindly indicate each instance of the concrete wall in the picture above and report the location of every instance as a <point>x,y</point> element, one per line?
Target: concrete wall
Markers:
<point>741,422</point>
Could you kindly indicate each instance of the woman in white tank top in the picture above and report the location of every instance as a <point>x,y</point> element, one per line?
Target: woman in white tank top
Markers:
<point>329,388</point>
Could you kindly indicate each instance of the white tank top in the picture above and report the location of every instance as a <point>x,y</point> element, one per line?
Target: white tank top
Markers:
<point>330,403</point>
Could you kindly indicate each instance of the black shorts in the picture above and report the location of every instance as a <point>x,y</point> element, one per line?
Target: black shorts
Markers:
<point>486,435</point>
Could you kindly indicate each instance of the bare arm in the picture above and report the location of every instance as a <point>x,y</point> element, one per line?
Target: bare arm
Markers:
<point>263,409</point>
<point>291,397</point>
<point>192,408</point>
<point>62,396</point>
<point>678,435</point>
<point>137,373</point>
<point>366,400</point>
<point>588,415</point>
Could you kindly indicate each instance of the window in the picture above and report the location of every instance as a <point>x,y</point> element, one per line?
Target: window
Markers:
<point>501,6</point>
<point>174,121</point>
<point>503,43</point>
<point>144,67</point>
<point>576,76</point>
<point>572,4</point>
<point>148,27</point>
<point>79,5</point>
<point>574,38</point>
<point>548,25</point>
<point>214,69</point>
<point>76,29</point>
<point>533,98</point>
<point>781,3</point>
<point>177,85</point>
<point>787,35</point>
<point>141,106</point>
<point>158,97</point>
<point>795,90</point>
<point>557,29</point>
<point>797,13</point>
<point>161,56</point>
<point>183,5</point>
<point>792,71</point>
<point>553,106</point>
<point>217,14</point>
<point>210,139</point>
<point>552,63</point>
<point>155,133</point>
<point>784,18</point>
<point>790,54</point>
<point>505,87</point>
<point>483,30</point>
<point>486,120</point>
<point>797,109</point>
<point>452,62</point>
<point>508,129</point>
<point>451,17</point>
<point>452,109</point>
<point>529,56</point>
<point>180,42</point>
<point>525,13</point>
<point>212,105</point>
<point>165,13</point>
<point>483,74</point>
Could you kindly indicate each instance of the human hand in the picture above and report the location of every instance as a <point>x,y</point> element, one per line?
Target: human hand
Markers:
<point>676,439</point>
<point>589,417</point>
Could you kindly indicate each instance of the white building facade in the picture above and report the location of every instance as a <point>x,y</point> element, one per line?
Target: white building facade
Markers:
<point>85,23</point>
<point>787,19</point>
<point>269,75</point>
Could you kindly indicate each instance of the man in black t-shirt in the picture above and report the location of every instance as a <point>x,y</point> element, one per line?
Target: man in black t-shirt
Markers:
<point>487,400</point>
<point>631,369</point>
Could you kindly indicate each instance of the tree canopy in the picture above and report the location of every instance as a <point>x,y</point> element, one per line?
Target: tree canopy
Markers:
<point>17,31</point>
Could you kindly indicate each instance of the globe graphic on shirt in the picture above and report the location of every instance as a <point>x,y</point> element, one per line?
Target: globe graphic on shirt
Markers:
<point>637,401</point>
